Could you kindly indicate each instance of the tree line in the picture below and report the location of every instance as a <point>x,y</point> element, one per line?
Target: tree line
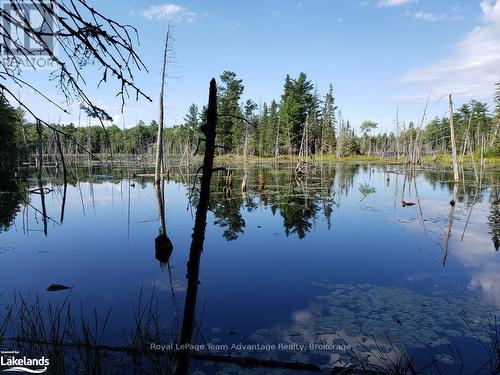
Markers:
<point>300,118</point>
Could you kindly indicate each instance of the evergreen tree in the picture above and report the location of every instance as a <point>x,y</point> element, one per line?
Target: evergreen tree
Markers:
<point>191,120</point>
<point>366,128</point>
<point>249,109</point>
<point>229,94</point>
<point>297,102</point>
<point>328,131</point>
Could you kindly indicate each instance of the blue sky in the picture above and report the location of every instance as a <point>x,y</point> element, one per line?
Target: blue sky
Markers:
<point>378,54</point>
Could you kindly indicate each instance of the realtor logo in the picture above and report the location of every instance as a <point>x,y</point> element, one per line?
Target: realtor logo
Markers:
<point>29,34</point>
<point>14,363</point>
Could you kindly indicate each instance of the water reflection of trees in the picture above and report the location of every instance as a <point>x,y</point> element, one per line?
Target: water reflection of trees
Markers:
<point>12,194</point>
<point>298,202</point>
<point>494,216</point>
<point>228,216</point>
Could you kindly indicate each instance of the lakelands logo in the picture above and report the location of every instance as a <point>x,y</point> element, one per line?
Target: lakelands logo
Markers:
<point>15,363</point>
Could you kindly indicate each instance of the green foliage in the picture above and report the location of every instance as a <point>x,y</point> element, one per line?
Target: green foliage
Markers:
<point>328,130</point>
<point>192,118</point>
<point>367,126</point>
<point>264,130</point>
<point>229,128</point>
<point>8,119</point>
<point>298,102</point>
<point>493,151</point>
<point>12,194</point>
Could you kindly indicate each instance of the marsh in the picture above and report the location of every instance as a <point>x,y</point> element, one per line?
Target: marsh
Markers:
<point>330,261</point>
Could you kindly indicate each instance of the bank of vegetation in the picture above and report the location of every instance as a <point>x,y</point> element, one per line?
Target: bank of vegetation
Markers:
<point>302,120</point>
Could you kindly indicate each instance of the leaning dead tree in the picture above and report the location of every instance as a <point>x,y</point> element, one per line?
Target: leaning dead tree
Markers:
<point>84,37</point>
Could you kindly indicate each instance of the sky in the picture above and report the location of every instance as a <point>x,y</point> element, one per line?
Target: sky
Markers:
<point>379,55</point>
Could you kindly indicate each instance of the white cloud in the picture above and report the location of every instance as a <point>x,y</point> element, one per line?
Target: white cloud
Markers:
<point>170,11</point>
<point>452,15</point>
<point>475,65</point>
<point>393,3</point>
<point>431,17</point>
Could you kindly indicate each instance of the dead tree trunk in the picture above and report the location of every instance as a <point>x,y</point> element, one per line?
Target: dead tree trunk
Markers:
<point>277,143</point>
<point>464,148</point>
<point>397,133</point>
<point>40,149</point>
<point>456,175</point>
<point>39,175</point>
<point>188,321</point>
<point>61,155</point>
<point>495,133</point>
<point>159,167</point>
<point>416,144</point>
<point>338,148</point>
<point>302,164</point>
<point>450,224</point>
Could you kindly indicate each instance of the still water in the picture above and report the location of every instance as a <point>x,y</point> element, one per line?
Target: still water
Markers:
<point>329,268</point>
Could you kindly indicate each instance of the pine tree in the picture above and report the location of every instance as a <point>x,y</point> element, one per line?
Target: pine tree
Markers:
<point>296,103</point>
<point>191,120</point>
<point>229,127</point>
<point>328,139</point>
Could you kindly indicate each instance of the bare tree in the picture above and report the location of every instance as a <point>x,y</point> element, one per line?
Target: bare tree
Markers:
<point>84,36</point>
<point>159,139</point>
<point>456,175</point>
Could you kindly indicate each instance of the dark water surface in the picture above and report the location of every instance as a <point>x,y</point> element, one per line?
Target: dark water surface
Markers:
<point>330,258</point>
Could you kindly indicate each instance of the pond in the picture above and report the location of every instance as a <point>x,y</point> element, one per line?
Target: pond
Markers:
<point>328,268</point>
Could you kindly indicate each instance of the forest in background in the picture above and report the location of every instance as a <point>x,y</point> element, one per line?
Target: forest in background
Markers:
<point>302,119</point>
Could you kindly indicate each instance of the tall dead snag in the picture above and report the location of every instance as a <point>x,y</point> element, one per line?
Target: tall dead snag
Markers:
<point>65,172</point>
<point>494,134</point>
<point>40,150</point>
<point>160,165</point>
<point>61,155</point>
<point>277,142</point>
<point>397,132</point>
<point>415,150</point>
<point>301,167</point>
<point>39,175</point>
<point>456,175</point>
<point>193,266</point>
